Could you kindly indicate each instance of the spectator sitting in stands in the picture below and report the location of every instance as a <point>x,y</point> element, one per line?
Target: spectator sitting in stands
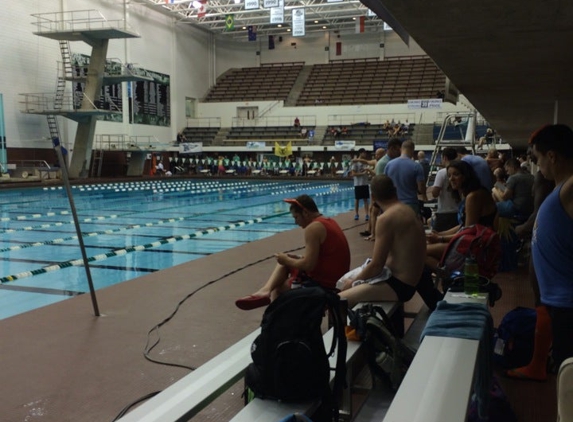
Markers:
<point>477,207</point>
<point>493,160</point>
<point>159,169</point>
<point>500,178</point>
<point>488,138</point>
<point>335,132</point>
<point>396,132</point>
<point>181,138</point>
<point>344,131</point>
<point>303,132</point>
<point>517,198</point>
<point>296,122</point>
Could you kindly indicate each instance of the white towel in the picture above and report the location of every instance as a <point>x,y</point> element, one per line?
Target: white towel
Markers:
<point>383,276</point>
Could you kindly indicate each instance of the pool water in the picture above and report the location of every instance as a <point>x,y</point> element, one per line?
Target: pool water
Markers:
<point>134,228</point>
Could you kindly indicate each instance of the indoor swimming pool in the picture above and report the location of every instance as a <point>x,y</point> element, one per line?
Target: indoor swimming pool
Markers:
<point>134,228</point>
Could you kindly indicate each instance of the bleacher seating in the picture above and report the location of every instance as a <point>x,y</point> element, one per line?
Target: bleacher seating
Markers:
<point>201,134</point>
<point>267,82</point>
<point>372,81</point>
<point>362,133</point>
<point>265,133</point>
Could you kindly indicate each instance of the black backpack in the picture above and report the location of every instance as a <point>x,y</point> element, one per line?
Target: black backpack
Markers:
<point>290,362</point>
<point>387,356</point>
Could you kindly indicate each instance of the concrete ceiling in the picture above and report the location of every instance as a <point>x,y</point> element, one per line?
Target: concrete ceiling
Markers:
<point>512,60</point>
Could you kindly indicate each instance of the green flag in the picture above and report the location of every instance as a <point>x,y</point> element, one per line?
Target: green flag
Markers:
<point>230,23</point>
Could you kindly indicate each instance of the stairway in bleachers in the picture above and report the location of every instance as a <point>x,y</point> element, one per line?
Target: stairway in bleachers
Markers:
<point>298,86</point>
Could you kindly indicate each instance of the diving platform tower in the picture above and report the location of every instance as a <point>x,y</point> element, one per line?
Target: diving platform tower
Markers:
<point>91,27</point>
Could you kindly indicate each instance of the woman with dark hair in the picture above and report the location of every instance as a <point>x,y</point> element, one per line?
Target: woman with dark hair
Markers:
<point>476,207</point>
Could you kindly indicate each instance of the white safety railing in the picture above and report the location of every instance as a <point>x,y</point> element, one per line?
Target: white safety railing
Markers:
<point>45,102</point>
<point>124,142</point>
<point>76,20</point>
<point>204,122</point>
<point>273,121</point>
<point>374,119</point>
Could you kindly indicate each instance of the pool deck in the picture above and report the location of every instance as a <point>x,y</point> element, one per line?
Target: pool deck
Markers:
<point>61,363</point>
<point>65,364</point>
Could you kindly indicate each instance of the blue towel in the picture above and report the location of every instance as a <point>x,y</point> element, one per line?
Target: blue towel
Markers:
<point>470,321</point>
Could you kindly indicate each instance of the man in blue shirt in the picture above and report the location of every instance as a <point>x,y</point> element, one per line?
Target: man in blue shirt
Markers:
<point>480,166</point>
<point>408,177</point>
<point>551,244</point>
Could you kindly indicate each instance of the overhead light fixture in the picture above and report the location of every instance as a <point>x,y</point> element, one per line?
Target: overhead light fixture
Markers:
<point>354,18</point>
<point>324,27</point>
<point>196,4</point>
<point>244,27</point>
<point>288,29</point>
<point>315,21</point>
<point>279,25</point>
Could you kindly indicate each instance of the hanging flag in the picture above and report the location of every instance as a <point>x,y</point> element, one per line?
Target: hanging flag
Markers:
<point>338,48</point>
<point>252,32</point>
<point>285,151</point>
<point>360,24</point>
<point>271,42</point>
<point>230,23</point>
<point>153,164</point>
<point>202,9</point>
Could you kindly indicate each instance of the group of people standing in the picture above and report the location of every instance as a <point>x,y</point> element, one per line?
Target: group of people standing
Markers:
<point>404,256</point>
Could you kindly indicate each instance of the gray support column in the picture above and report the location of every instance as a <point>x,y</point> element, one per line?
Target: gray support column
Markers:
<point>83,143</point>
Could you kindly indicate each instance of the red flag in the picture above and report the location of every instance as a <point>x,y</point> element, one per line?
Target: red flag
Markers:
<point>153,164</point>
<point>202,9</point>
<point>360,24</point>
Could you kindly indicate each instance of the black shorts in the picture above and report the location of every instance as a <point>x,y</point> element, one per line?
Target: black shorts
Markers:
<point>362,192</point>
<point>403,291</point>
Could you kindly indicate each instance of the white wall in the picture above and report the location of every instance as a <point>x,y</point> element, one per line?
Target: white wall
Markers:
<point>29,65</point>
<point>192,57</point>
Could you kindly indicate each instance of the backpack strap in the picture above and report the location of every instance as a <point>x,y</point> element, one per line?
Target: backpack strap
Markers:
<point>339,337</point>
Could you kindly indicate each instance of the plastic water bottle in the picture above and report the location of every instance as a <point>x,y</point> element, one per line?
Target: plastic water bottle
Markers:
<point>471,277</point>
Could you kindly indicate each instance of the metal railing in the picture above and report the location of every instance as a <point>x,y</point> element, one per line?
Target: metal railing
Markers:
<point>373,119</point>
<point>27,164</point>
<point>76,20</point>
<point>123,142</point>
<point>204,122</point>
<point>308,121</point>
<point>46,102</point>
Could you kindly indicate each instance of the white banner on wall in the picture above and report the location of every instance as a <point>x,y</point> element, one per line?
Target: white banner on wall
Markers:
<point>344,145</point>
<point>190,147</point>
<point>270,3</point>
<point>251,4</point>
<point>277,15</point>
<point>433,103</point>
<point>255,145</point>
<point>298,29</point>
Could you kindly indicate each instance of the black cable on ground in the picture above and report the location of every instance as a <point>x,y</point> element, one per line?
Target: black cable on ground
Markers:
<point>149,348</point>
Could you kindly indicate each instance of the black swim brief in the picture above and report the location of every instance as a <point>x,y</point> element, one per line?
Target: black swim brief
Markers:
<point>402,290</point>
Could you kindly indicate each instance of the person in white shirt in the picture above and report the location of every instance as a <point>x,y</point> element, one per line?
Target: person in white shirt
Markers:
<point>447,213</point>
